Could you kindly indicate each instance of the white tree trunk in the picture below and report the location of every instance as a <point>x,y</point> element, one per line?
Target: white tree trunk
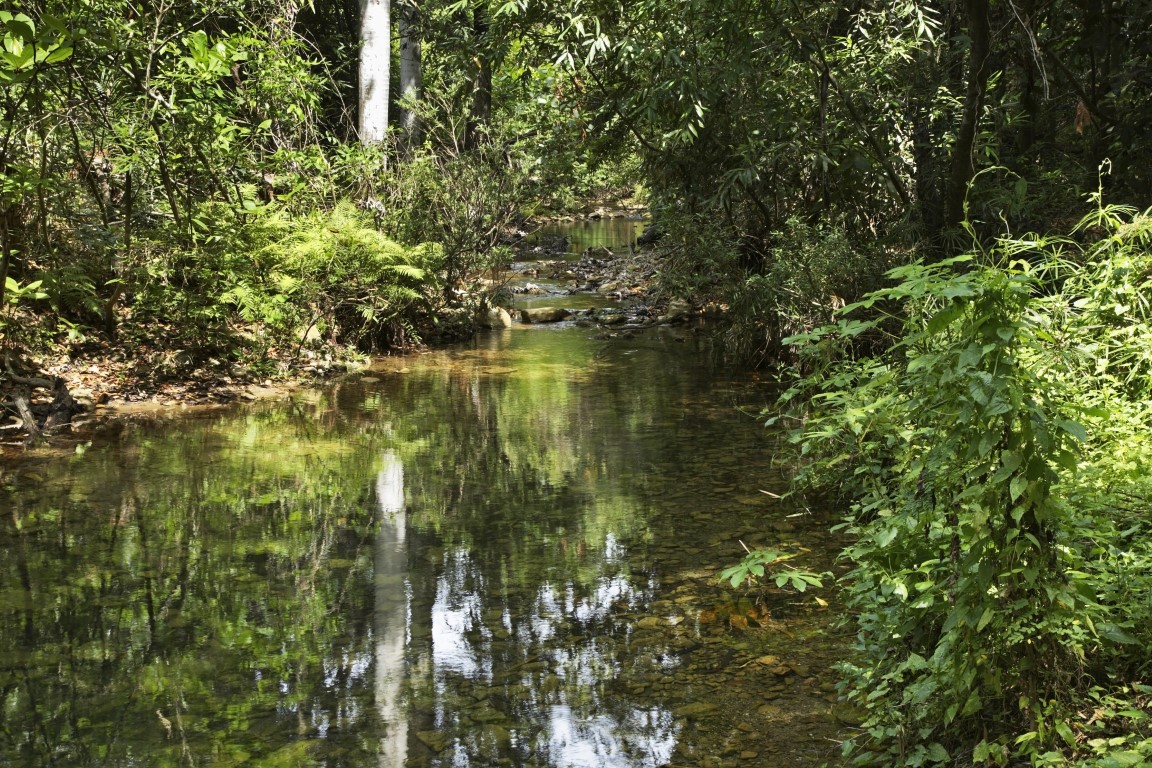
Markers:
<point>410,73</point>
<point>390,620</point>
<point>375,69</point>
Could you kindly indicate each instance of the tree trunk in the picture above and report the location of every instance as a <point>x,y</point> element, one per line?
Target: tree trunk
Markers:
<point>410,73</point>
<point>11,226</point>
<point>929,161</point>
<point>481,110</point>
<point>375,69</point>
<point>963,160</point>
<point>119,259</point>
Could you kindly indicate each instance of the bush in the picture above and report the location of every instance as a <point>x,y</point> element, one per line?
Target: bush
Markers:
<point>998,583</point>
<point>360,287</point>
<point>259,283</point>
<point>809,273</point>
<point>790,284</point>
<point>467,202</point>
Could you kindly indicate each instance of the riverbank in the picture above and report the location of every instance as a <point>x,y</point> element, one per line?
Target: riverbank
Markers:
<point>72,385</point>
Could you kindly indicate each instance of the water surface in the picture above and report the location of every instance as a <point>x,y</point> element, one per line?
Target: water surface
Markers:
<point>499,554</point>
<point>615,234</point>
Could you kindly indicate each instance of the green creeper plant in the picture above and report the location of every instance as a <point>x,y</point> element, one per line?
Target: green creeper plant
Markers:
<point>973,622</point>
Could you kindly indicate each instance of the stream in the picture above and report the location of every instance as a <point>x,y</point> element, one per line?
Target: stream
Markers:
<point>499,554</point>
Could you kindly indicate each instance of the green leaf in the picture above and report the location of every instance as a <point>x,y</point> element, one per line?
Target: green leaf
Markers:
<point>915,662</point>
<point>937,753</point>
<point>18,58</point>
<point>1123,759</point>
<point>959,290</point>
<point>945,317</point>
<point>972,705</point>
<point>1074,428</point>
<point>21,26</point>
<point>1116,634</point>
<point>1010,461</point>
<point>1018,486</point>
<point>58,54</point>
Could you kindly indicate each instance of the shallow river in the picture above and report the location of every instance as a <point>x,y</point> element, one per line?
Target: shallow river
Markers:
<point>499,554</point>
<point>617,235</point>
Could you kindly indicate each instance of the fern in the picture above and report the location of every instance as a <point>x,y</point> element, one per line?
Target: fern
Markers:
<point>359,280</point>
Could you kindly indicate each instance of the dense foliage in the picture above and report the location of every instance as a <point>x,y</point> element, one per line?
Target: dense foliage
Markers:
<point>170,171</point>
<point>883,121</point>
<point>992,456</point>
<point>763,130</point>
<point>183,182</point>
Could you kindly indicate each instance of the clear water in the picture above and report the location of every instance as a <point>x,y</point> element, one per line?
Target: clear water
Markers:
<point>617,235</point>
<point>499,554</point>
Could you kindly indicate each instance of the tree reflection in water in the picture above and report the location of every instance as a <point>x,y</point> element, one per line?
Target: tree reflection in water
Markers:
<point>390,619</point>
<point>441,568</point>
<point>533,679</point>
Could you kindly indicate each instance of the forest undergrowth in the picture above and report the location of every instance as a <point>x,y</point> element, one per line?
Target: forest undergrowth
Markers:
<point>994,459</point>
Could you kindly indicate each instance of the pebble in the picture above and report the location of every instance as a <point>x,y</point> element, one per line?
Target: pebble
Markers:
<point>694,710</point>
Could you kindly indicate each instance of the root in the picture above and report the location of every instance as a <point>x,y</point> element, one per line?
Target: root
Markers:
<point>37,420</point>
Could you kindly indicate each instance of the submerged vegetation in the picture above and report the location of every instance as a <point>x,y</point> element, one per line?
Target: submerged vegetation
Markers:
<point>209,189</point>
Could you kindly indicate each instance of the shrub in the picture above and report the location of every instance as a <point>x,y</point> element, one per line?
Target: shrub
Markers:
<point>359,286</point>
<point>998,583</point>
<point>809,273</point>
<point>467,202</point>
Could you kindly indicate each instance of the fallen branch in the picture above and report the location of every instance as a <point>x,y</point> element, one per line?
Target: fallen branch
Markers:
<point>26,416</point>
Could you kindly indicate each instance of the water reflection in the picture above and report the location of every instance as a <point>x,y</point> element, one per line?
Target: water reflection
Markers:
<point>645,738</point>
<point>392,609</point>
<point>617,235</point>
<point>448,562</point>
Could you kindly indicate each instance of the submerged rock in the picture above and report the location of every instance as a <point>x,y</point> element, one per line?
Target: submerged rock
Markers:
<point>694,710</point>
<point>650,622</point>
<point>436,741</point>
<point>544,315</point>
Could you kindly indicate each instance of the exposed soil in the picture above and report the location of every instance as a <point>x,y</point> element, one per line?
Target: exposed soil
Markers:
<point>107,385</point>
